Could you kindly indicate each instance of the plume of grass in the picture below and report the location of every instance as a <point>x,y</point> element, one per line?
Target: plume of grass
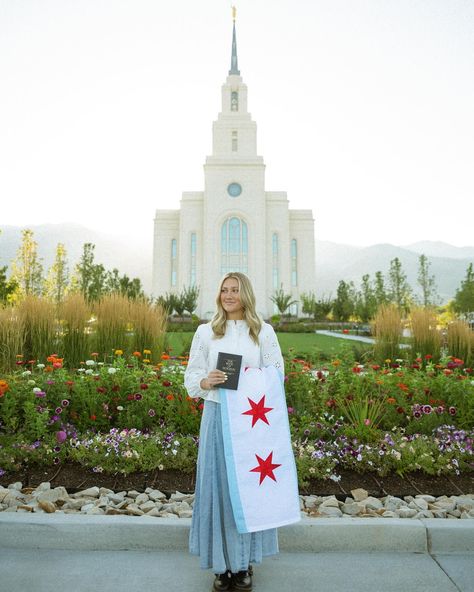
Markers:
<point>148,327</point>
<point>425,336</point>
<point>387,330</point>
<point>112,324</point>
<point>460,342</point>
<point>75,315</point>
<point>39,322</point>
<point>12,336</point>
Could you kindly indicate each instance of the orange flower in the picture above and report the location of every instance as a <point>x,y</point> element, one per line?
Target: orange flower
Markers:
<point>169,397</point>
<point>3,387</point>
<point>447,371</point>
<point>336,363</point>
<point>391,400</point>
<point>184,363</point>
<point>165,357</point>
<point>48,369</point>
<point>137,354</point>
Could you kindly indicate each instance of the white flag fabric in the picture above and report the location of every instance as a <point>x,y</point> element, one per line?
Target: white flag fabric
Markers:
<point>261,469</point>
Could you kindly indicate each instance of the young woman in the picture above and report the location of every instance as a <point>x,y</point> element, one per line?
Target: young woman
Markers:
<point>235,328</point>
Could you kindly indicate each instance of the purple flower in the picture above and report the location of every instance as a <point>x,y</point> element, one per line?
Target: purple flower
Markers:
<point>417,414</point>
<point>61,436</point>
<point>306,432</point>
<point>56,460</point>
<point>427,409</point>
<point>64,402</point>
<point>2,472</point>
<point>40,394</point>
<point>50,382</point>
<point>57,449</point>
<point>58,410</point>
<point>452,411</point>
<point>138,397</point>
<point>290,410</point>
<point>440,409</point>
<point>151,412</point>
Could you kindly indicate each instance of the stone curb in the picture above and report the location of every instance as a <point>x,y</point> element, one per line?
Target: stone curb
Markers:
<point>112,533</point>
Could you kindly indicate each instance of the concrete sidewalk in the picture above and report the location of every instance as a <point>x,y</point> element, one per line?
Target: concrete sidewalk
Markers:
<point>39,552</point>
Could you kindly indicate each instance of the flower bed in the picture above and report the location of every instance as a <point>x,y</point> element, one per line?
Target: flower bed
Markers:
<point>130,416</point>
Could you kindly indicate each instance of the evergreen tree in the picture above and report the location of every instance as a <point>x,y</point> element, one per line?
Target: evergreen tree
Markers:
<point>344,304</point>
<point>27,269</point>
<point>57,281</point>
<point>429,293</point>
<point>464,299</point>
<point>400,291</point>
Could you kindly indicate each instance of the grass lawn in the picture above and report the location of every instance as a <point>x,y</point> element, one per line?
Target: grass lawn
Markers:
<point>302,343</point>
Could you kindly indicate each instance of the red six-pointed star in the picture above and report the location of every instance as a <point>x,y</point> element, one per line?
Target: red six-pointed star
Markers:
<point>258,411</point>
<point>265,467</point>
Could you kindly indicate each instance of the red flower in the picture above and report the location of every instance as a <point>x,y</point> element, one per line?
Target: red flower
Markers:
<point>166,383</point>
<point>93,417</point>
<point>144,386</point>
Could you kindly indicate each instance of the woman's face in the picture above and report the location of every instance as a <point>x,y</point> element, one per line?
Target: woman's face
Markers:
<point>230,299</point>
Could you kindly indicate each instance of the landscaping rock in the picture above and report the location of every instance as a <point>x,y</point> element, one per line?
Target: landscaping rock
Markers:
<point>90,492</point>
<point>48,507</point>
<point>359,494</point>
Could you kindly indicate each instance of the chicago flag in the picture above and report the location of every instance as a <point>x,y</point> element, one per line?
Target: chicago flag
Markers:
<point>259,458</point>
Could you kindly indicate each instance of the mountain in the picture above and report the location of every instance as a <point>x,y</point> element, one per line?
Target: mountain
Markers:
<point>132,256</point>
<point>336,262</point>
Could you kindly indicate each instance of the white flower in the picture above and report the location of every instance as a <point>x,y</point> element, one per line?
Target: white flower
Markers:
<point>89,371</point>
<point>112,370</point>
<point>174,451</point>
<point>36,390</point>
<point>32,382</point>
<point>40,366</point>
<point>26,373</point>
<point>90,363</point>
<point>81,370</point>
<point>160,467</point>
<point>100,363</point>
<point>119,408</point>
<point>176,442</point>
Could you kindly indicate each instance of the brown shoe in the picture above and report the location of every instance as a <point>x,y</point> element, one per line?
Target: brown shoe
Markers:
<point>242,581</point>
<point>222,582</point>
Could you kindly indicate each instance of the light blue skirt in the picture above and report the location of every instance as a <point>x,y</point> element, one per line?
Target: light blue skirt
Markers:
<point>213,534</point>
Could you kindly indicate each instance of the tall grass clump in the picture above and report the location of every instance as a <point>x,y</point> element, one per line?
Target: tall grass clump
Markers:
<point>148,326</point>
<point>75,315</point>
<point>112,324</point>
<point>425,336</point>
<point>387,330</point>
<point>460,341</point>
<point>11,337</point>
<point>39,322</point>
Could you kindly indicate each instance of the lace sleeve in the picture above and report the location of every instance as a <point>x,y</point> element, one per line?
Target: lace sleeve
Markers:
<point>270,349</point>
<point>197,365</point>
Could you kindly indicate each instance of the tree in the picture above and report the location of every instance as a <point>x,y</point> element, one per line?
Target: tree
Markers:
<point>132,289</point>
<point>366,303</point>
<point>56,283</point>
<point>91,277</point>
<point>190,297</point>
<point>429,293</point>
<point>282,301</point>
<point>464,299</point>
<point>400,291</point>
<point>168,302</point>
<point>380,294</point>
<point>8,287</point>
<point>318,309</point>
<point>343,306</point>
<point>27,269</point>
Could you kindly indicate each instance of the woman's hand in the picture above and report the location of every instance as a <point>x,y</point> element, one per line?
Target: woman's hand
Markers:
<point>214,378</point>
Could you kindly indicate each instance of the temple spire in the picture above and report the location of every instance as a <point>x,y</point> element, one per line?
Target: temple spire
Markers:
<point>234,68</point>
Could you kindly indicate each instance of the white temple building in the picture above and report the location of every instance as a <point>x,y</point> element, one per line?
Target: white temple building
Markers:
<point>234,224</point>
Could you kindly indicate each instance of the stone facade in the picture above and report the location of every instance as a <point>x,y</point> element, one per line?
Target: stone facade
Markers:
<point>234,224</point>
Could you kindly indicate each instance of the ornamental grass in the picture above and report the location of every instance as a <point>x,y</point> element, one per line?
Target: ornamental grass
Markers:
<point>75,316</point>
<point>149,326</point>
<point>425,335</point>
<point>12,336</point>
<point>111,324</point>
<point>387,330</point>
<point>460,341</point>
<point>39,323</point>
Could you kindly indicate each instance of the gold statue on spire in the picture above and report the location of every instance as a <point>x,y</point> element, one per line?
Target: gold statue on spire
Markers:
<point>234,12</point>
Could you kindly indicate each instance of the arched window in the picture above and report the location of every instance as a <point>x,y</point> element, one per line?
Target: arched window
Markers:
<point>234,101</point>
<point>174,262</point>
<point>234,246</point>
<point>294,263</point>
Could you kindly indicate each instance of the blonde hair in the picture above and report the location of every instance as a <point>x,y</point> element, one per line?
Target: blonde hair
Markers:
<point>247,299</point>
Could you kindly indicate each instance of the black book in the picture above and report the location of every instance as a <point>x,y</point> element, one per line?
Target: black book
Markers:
<point>230,364</point>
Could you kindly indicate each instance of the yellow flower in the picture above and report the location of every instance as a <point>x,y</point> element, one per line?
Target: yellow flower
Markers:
<point>388,360</point>
<point>336,362</point>
<point>146,361</point>
<point>118,352</point>
<point>147,352</point>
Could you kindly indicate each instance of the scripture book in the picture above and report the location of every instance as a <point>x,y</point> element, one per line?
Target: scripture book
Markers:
<point>230,364</point>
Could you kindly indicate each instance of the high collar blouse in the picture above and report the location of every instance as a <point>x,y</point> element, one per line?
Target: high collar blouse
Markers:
<point>236,340</point>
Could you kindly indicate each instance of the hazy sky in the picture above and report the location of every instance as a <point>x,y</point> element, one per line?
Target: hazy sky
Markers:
<point>365,110</point>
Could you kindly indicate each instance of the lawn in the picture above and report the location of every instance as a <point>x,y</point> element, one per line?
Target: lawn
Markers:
<point>301,343</point>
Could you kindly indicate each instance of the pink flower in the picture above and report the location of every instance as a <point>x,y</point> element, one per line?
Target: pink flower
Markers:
<point>367,422</point>
<point>61,436</point>
<point>290,410</point>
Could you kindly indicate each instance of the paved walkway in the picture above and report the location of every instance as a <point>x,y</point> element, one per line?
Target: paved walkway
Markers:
<point>355,337</point>
<point>40,552</point>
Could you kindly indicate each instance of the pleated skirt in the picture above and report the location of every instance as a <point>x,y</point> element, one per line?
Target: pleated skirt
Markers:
<point>213,535</point>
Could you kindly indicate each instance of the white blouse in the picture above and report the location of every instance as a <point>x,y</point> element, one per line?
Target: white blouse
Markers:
<point>205,347</point>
